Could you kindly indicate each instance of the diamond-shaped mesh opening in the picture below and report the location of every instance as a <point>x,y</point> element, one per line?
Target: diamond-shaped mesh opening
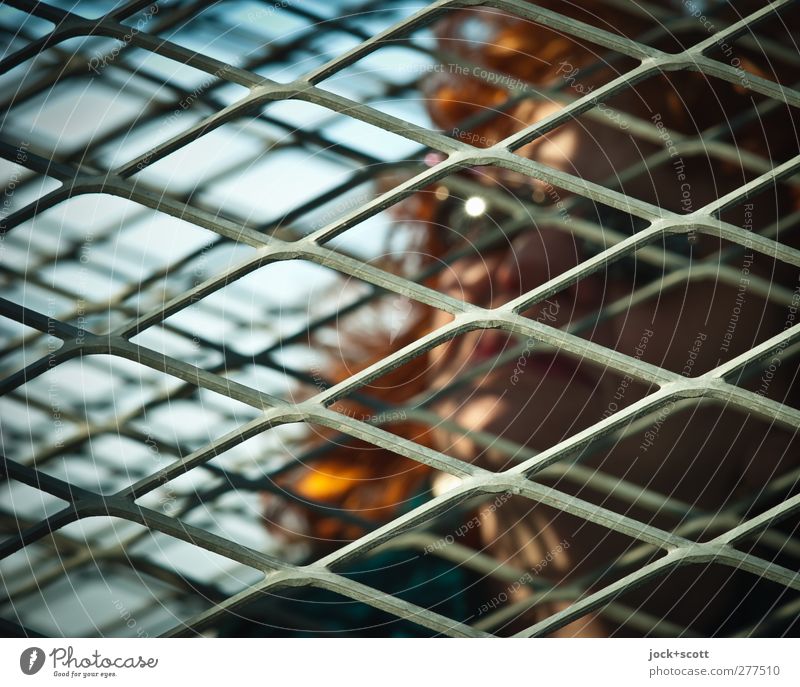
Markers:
<point>311,612</point>
<point>550,559</point>
<point>764,51</point>
<point>259,428</point>
<point>264,326</point>
<point>738,600</point>
<point>23,346</point>
<point>716,309</point>
<point>67,589</point>
<point>658,473</point>
<point>27,503</point>
<point>762,378</point>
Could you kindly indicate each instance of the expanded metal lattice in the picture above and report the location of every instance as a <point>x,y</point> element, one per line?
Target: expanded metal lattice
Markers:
<point>52,46</point>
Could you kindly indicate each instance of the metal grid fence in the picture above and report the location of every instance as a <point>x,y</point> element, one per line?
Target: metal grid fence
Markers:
<point>50,47</point>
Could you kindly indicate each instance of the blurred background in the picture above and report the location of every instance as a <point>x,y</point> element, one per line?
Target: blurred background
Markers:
<point>86,105</point>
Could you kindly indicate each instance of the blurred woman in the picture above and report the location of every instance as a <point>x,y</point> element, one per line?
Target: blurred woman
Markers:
<point>703,456</point>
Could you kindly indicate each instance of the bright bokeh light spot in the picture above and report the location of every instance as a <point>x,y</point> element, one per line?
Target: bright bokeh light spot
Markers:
<point>475,206</point>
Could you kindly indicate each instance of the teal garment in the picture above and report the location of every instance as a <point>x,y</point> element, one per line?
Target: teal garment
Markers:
<point>424,580</point>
